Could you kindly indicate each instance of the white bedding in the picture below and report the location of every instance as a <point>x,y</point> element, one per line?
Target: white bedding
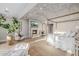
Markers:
<point>63,41</point>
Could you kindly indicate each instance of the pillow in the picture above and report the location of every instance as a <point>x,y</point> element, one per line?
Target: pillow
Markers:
<point>72,34</point>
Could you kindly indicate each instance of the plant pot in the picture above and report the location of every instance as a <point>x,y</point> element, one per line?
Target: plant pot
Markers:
<point>10,39</point>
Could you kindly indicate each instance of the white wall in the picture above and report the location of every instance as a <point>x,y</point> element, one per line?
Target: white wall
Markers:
<point>25,28</point>
<point>3,34</point>
<point>67,26</point>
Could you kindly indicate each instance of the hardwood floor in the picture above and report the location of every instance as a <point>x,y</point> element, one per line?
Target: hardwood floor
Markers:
<point>39,47</point>
<point>42,48</point>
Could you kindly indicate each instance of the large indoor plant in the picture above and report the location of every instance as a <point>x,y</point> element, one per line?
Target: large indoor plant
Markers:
<point>11,27</point>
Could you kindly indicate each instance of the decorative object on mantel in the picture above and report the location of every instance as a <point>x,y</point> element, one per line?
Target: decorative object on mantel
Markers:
<point>10,26</point>
<point>34,24</point>
<point>42,32</point>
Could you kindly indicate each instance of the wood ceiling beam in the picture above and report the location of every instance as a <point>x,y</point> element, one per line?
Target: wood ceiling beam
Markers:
<point>67,21</point>
<point>52,21</point>
<point>63,15</point>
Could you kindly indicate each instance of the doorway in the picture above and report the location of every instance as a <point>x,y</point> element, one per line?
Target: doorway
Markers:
<point>50,28</point>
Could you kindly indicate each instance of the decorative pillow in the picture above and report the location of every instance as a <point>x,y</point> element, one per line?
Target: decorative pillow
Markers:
<point>72,34</point>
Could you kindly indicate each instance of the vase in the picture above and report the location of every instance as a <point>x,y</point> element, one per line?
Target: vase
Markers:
<point>10,39</point>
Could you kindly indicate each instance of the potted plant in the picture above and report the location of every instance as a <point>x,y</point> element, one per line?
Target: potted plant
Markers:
<point>11,27</point>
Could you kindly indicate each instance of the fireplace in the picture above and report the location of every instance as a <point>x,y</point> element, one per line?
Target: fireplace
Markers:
<point>34,31</point>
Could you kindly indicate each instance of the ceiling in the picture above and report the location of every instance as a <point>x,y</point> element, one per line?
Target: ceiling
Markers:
<point>41,11</point>
<point>15,9</point>
<point>44,11</point>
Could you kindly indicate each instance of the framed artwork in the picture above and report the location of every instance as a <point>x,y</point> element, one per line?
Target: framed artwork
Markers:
<point>34,24</point>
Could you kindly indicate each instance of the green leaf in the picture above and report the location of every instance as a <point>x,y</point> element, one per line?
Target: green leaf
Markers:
<point>11,27</point>
<point>6,26</point>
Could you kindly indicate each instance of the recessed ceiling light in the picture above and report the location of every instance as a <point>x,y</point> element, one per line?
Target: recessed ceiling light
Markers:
<point>6,10</point>
<point>41,8</point>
